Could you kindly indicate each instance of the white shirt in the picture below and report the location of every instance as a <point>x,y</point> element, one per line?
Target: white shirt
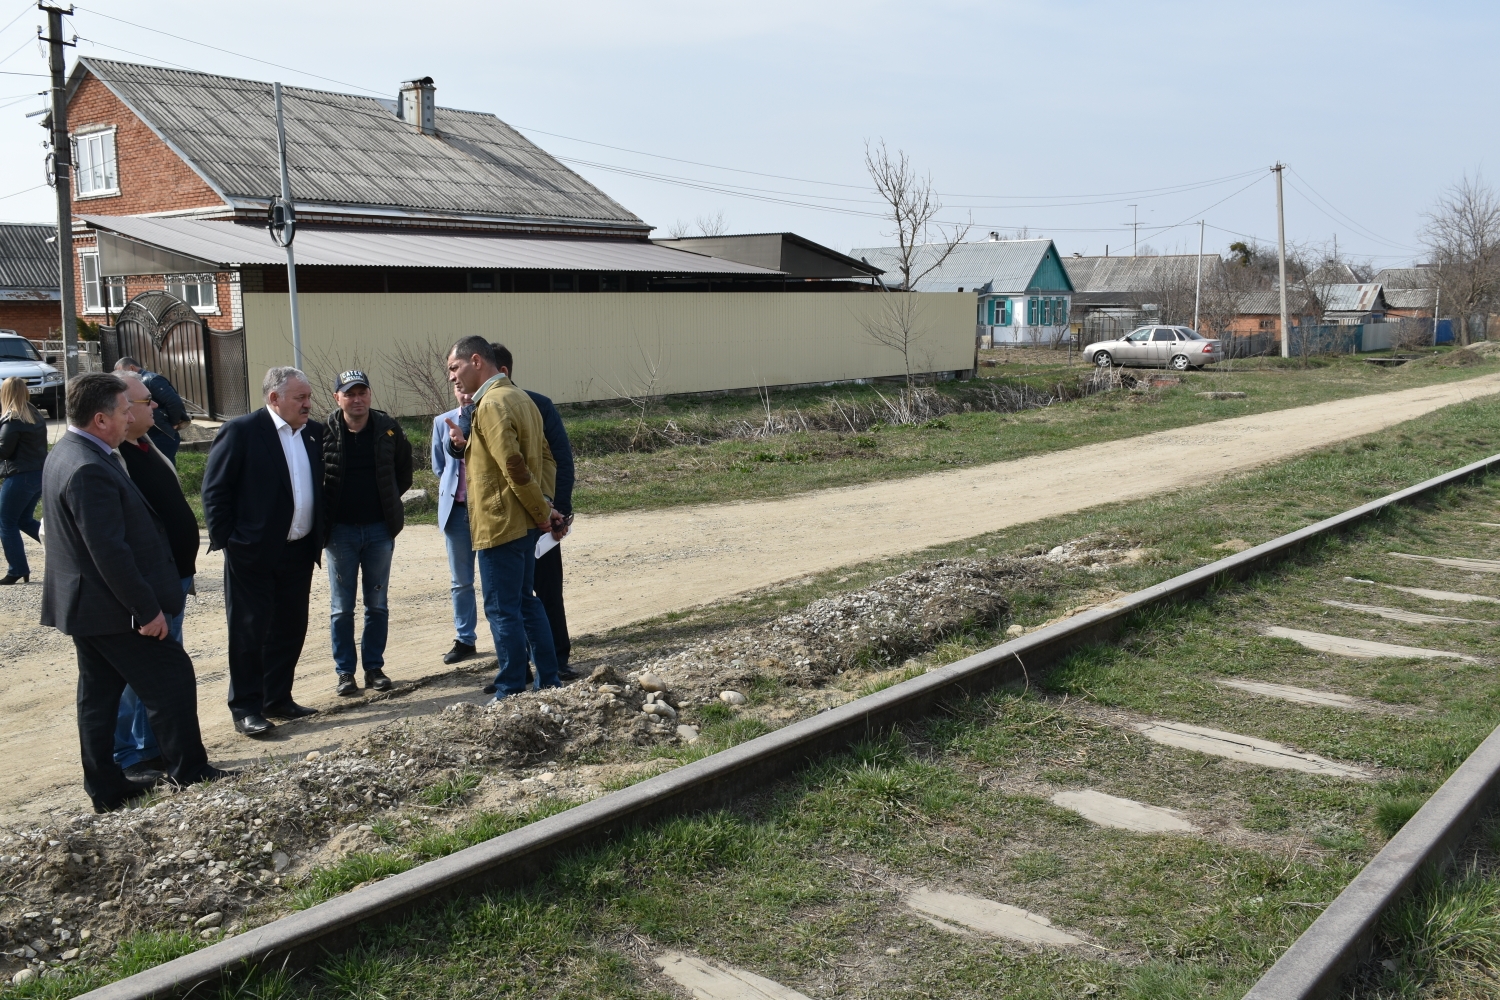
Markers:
<point>297,464</point>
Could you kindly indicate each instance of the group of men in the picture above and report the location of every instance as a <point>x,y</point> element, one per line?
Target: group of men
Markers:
<point>280,493</point>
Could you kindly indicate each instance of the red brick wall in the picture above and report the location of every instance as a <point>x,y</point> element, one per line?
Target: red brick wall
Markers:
<point>136,284</point>
<point>152,177</point>
<point>33,320</point>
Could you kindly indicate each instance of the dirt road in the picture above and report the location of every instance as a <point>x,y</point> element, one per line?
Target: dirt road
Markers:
<point>627,567</point>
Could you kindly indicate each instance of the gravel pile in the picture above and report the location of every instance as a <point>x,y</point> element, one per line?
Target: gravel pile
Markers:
<point>209,859</point>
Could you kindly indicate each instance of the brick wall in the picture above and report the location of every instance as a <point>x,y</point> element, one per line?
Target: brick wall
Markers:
<point>225,319</point>
<point>32,320</point>
<point>152,177</point>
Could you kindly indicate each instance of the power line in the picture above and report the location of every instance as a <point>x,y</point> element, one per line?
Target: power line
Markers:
<point>1364,231</point>
<point>29,6</point>
<point>230,52</point>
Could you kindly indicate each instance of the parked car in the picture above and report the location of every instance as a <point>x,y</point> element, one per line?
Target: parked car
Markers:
<point>1175,347</point>
<point>19,357</point>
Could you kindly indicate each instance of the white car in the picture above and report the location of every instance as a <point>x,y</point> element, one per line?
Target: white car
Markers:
<point>19,358</point>
<point>1175,347</point>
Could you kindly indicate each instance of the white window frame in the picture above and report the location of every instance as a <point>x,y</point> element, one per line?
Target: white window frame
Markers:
<point>104,139</point>
<point>200,282</point>
<point>108,294</point>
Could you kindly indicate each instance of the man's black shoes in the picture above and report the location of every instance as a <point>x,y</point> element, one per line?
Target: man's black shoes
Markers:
<point>460,651</point>
<point>567,673</point>
<point>376,680</point>
<point>348,687</point>
<point>253,725</point>
<point>290,710</point>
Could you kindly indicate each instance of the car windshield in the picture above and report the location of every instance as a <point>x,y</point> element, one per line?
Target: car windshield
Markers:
<point>18,347</point>
<point>1139,336</point>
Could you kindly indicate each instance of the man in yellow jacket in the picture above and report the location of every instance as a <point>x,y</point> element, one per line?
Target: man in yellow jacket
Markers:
<point>510,476</point>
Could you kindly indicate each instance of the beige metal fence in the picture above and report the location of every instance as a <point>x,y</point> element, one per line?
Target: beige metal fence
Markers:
<point>577,347</point>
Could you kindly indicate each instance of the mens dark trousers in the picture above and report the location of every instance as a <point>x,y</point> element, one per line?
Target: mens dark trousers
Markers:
<point>161,674</point>
<point>548,588</point>
<point>267,610</point>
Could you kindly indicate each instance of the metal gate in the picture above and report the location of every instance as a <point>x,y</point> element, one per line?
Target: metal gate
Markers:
<point>165,335</point>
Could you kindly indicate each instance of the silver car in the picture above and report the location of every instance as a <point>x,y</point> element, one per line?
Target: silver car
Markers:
<point>43,382</point>
<point>1175,347</point>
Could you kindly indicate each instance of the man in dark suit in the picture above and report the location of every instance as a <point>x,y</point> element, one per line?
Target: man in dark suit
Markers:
<point>265,510</point>
<point>111,584</point>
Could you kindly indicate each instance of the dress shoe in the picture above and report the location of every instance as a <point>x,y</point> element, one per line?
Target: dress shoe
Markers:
<point>144,777</point>
<point>211,773</point>
<point>376,680</point>
<point>566,673</point>
<point>10,578</point>
<point>290,710</point>
<point>460,651</point>
<point>253,725</point>
<point>489,689</point>
<point>347,686</point>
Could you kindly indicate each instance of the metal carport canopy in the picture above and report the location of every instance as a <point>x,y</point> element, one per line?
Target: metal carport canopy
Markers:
<point>228,245</point>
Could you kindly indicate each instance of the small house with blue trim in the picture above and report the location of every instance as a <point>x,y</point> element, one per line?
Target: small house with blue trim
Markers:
<point>1024,293</point>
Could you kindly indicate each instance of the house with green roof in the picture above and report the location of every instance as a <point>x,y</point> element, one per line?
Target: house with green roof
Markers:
<point>1023,292</point>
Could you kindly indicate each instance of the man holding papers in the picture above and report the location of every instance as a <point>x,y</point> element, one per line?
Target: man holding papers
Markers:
<point>511,476</point>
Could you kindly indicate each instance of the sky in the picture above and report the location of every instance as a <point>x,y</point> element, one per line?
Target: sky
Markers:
<point>1063,119</point>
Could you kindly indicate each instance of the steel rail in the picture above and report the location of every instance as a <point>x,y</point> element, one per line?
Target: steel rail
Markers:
<point>303,938</point>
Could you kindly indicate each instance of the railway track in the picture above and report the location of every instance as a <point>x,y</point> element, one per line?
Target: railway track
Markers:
<point>1145,799</point>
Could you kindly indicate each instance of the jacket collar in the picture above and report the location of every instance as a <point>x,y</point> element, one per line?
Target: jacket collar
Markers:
<point>499,378</point>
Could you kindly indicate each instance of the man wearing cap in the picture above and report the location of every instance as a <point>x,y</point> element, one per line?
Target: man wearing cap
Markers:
<point>366,468</point>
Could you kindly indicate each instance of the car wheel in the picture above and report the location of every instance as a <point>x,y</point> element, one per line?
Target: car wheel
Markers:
<point>1180,363</point>
<point>1103,359</point>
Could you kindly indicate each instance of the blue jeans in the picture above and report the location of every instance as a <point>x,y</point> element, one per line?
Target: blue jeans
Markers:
<point>461,574</point>
<point>354,551</point>
<point>507,574</point>
<point>134,740</point>
<point>18,497</point>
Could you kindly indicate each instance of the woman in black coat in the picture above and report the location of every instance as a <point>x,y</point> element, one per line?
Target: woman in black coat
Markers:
<point>23,449</point>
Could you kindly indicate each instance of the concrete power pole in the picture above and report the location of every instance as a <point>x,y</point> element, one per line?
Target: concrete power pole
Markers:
<point>1286,337</point>
<point>286,200</point>
<point>1198,287</point>
<point>62,181</point>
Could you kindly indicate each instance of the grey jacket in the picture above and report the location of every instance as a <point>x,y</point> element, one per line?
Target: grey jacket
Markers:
<point>109,563</point>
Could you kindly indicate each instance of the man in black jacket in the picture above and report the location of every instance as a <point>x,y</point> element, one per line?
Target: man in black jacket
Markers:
<point>110,584</point>
<point>171,413</point>
<point>264,508</point>
<point>156,477</point>
<point>366,468</point>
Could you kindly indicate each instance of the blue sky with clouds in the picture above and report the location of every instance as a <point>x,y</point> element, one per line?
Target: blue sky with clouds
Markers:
<point>1056,117</point>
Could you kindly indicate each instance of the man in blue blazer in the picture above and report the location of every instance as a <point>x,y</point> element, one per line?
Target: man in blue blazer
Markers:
<point>263,501</point>
<point>453,519</point>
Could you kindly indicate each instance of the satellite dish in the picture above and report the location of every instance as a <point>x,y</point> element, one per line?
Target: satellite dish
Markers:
<point>281,222</point>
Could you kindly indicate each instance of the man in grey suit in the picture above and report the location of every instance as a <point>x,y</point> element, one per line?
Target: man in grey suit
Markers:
<point>110,584</point>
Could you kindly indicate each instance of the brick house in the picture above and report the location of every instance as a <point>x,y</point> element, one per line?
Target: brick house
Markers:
<point>28,280</point>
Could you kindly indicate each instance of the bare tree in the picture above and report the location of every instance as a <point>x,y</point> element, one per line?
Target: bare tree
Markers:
<point>420,369</point>
<point>680,229</point>
<point>1463,234</point>
<point>897,324</point>
<point>712,225</point>
<point>912,206</point>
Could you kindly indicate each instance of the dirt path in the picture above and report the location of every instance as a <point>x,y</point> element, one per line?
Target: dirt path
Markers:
<point>627,567</point>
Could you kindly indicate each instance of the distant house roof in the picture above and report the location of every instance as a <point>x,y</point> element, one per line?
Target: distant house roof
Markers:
<point>28,263</point>
<point>1132,275</point>
<point>995,267</point>
<point>133,245</point>
<point>1405,277</point>
<point>1410,298</point>
<point>1353,298</point>
<point>796,256</point>
<point>346,151</point>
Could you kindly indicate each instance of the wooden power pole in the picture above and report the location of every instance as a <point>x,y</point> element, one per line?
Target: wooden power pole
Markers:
<point>62,181</point>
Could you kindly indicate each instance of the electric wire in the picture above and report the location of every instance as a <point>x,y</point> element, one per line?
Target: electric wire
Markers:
<point>1346,219</point>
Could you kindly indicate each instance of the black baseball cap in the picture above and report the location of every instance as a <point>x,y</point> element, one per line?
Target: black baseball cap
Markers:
<point>349,378</point>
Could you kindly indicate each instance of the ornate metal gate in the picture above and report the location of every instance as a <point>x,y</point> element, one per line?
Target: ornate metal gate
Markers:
<point>164,334</point>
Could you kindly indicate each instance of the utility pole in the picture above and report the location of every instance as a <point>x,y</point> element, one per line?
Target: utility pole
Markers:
<point>1135,228</point>
<point>1198,289</point>
<point>62,180</point>
<point>1286,337</point>
<point>288,228</point>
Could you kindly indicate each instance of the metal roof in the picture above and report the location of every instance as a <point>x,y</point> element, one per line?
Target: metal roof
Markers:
<point>343,149</point>
<point>225,244</point>
<point>28,263</point>
<point>1006,266</point>
<point>1126,275</point>
<point>1406,277</point>
<point>1352,298</point>
<point>1410,298</point>
<point>797,255</point>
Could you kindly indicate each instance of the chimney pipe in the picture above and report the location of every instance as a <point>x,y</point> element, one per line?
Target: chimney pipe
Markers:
<point>417,105</point>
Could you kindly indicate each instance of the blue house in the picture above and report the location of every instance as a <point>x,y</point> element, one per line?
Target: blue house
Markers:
<point>1024,292</point>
